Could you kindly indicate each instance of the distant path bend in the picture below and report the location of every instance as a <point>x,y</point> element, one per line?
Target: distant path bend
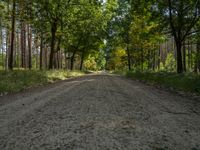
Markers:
<point>99,112</point>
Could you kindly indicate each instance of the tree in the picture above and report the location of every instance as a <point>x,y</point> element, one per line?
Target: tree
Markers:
<point>10,59</point>
<point>181,16</point>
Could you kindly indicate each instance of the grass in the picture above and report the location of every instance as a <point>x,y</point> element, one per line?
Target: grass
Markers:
<point>17,80</point>
<point>187,82</point>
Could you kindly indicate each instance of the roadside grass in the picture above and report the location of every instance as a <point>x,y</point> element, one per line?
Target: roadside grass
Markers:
<point>187,82</point>
<point>119,72</point>
<point>17,80</point>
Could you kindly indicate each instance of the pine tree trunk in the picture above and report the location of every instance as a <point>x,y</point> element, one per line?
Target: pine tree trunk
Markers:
<point>198,58</point>
<point>184,57</point>
<point>55,61</point>
<point>61,59</point>
<point>1,46</point>
<point>191,57</point>
<point>72,60</point>
<point>159,57</point>
<point>18,50</point>
<point>179,57</point>
<point>10,58</point>
<point>58,60</point>
<point>23,45</point>
<point>82,60</point>
<point>53,38</point>
<point>189,54</point>
<point>41,52</point>
<point>58,53</point>
<point>7,48</point>
<point>29,47</point>
<point>46,56</point>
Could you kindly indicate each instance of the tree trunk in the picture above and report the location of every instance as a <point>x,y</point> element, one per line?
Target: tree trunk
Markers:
<point>58,52</point>
<point>188,54</point>
<point>184,57</point>
<point>58,59</point>
<point>66,63</point>
<point>154,60</point>
<point>55,61</point>
<point>159,57</point>
<point>41,52</point>
<point>191,57</point>
<point>46,56</point>
<point>10,59</point>
<point>37,52</point>
<point>23,45</point>
<point>53,38</point>
<point>179,57</point>
<point>82,60</point>
<point>72,60</point>
<point>61,59</point>
<point>198,57</point>
<point>18,51</point>
<point>2,46</point>
<point>7,48</point>
<point>29,47</point>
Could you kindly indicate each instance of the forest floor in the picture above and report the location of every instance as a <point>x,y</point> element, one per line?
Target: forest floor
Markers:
<point>99,112</point>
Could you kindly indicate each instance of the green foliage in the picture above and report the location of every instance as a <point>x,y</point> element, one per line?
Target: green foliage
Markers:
<point>101,60</point>
<point>95,61</point>
<point>90,63</point>
<point>183,82</point>
<point>134,28</point>
<point>117,60</point>
<point>17,80</point>
<point>170,63</point>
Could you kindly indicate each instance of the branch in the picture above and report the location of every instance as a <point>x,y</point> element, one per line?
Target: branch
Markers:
<point>193,22</point>
<point>171,19</point>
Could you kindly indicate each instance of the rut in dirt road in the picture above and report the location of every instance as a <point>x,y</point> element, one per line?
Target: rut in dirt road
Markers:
<point>99,112</point>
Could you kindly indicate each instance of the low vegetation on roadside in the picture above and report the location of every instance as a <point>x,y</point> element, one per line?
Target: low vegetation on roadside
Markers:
<point>187,82</point>
<point>17,80</point>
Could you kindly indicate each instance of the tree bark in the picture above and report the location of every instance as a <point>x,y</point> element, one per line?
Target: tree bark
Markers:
<point>72,60</point>
<point>7,48</point>
<point>179,57</point>
<point>46,56</point>
<point>184,57</point>
<point>23,45</point>
<point>53,38</point>
<point>2,46</point>
<point>29,47</point>
<point>82,60</point>
<point>10,59</point>
<point>58,52</point>
<point>41,52</point>
<point>198,57</point>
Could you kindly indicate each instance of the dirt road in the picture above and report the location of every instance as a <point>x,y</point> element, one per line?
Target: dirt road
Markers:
<point>99,112</point>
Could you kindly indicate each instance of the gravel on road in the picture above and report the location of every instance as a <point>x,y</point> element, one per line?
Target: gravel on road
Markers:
<point>99,112</point>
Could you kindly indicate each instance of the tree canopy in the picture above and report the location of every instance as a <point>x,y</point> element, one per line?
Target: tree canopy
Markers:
<point>124,34</point>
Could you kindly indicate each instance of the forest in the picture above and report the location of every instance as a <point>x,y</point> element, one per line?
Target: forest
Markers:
<point>55,34</point>
<point>99,74</point>
<point>115,35</point>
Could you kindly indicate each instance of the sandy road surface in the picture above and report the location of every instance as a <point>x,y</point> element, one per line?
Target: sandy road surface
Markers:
<point>99,112</point>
